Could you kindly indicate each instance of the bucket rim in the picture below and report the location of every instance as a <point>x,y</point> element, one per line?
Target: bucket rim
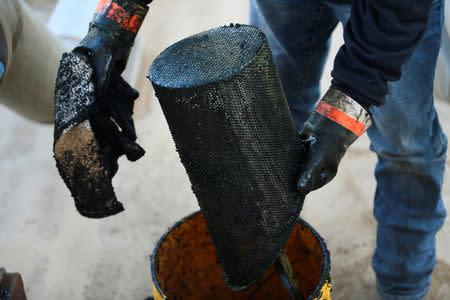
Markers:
<point>325,276</point>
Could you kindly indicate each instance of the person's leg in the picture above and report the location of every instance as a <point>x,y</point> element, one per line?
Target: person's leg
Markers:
<point>298,32</point>
<point>411,149</point>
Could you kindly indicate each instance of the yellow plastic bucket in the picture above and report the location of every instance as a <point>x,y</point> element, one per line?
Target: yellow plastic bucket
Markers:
<point>184,265</point>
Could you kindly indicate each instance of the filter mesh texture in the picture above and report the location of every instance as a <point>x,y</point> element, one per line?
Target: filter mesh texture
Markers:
<point>236,138</point>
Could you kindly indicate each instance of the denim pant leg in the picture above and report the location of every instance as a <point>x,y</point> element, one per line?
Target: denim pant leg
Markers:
<point>411,149</point>
<point>298,32</point>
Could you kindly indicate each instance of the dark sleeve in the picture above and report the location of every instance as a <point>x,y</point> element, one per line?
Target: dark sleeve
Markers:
<point>379,37</point>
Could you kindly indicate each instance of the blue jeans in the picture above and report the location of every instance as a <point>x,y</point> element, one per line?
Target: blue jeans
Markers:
<point>406,134</point>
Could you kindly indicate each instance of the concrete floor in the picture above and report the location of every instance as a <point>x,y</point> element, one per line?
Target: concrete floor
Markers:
<point>64,256</point>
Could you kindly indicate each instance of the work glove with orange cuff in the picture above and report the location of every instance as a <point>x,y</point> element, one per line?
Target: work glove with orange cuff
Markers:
<point>94,107</point>
<point>336,123</point>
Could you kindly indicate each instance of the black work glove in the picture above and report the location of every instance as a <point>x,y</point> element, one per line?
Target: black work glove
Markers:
<point>94,107</point>
<point>336,123</point>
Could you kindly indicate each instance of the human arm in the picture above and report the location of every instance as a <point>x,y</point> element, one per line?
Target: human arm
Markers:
<point>380,37</point>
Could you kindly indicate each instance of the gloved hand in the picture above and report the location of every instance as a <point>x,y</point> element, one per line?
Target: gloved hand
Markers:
<point>335,124</point>
<point>94,107</point>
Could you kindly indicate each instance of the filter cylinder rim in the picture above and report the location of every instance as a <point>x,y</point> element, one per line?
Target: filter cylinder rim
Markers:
<point>181,76</point>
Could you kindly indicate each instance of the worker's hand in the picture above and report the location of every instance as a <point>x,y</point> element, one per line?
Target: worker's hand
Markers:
<point>94,107</point>
<point>335,124</point>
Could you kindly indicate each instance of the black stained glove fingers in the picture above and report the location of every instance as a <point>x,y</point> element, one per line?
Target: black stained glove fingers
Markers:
<point>108,131</point>
<point>121,90</point>
<point>109,134</point>
<point>306,180</point>
<point>320,167</point>
<point>326,175</point>
<point>316,174</point>
<point>111,155</point>
<point>125,89</point>
<point>144,2</point>
<point>87,172</point>
<point>122,117</point>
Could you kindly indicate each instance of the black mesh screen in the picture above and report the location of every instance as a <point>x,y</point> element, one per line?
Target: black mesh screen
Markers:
<point>231,124</point>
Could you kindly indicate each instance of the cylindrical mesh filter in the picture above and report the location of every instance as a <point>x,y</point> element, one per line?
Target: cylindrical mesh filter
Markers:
<point>228,115</point>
